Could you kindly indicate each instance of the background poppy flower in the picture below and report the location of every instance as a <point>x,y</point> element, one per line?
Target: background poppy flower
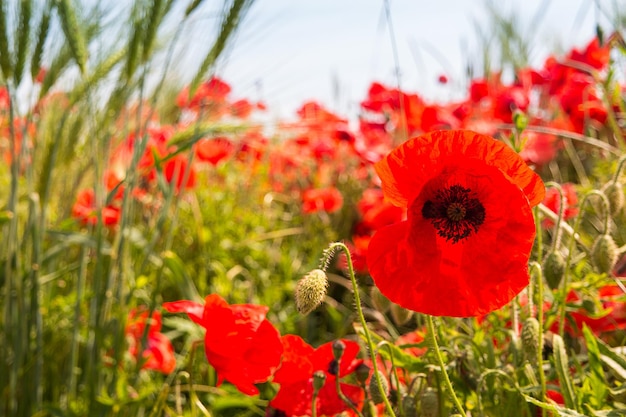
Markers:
<point>240,343</point>
<point>158,352</point>
<point>321,199</point>
<point>295,377</point>
<point>464,248</point>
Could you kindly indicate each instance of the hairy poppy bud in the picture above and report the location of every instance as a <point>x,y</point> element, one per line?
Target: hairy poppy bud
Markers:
<point>604,253</point>
<point>531,341</point>
<point>614,192</point>
<point>429,403</point>
<point>375,394</point>
<point>310,291</point>
<point>338,348</point>
<point>554,269</point>
<point>319,379</point>
<point>409,406</point>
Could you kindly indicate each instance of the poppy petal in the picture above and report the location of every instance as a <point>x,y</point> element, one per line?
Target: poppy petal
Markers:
<point>425,155</point>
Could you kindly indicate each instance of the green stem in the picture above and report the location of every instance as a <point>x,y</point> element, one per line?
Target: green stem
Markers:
<point>359,309</point>
<point>442,365</point>
<point>542,376</point>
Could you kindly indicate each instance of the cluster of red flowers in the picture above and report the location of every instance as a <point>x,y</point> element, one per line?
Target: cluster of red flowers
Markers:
<point>246,349</point>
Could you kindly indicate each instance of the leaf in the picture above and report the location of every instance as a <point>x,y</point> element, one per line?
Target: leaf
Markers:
<point>560,411</point>
<point>596,379</point>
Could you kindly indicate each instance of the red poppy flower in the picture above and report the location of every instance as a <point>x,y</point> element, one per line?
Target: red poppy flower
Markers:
<point>240,343</point>
<point>464,248</point>
<point>214,150</point>
<point>322,199</point>
<point>85,210</point>
<point>295,377</point>
<point>158,353</point>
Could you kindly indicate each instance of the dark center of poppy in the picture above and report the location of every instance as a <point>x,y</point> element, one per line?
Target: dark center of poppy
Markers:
<point>455,212</point>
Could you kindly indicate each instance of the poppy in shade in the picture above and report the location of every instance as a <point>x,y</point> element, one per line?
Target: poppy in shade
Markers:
<point>240,343</point>
<point>463,250</point>
<point>295,377</point>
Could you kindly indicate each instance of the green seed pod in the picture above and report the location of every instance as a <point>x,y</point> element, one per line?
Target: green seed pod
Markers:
<point>554,269</point>
<point>604,253</point>
<point>429,403</point>
<point>409,406</point>
<point>614,192</point>
<point>531,341</point>
<point>375,394</point>
<point>310,291</point>
<point>319,379</point>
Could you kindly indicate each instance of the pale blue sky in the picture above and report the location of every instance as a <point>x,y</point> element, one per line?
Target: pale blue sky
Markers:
<point>289,51</point>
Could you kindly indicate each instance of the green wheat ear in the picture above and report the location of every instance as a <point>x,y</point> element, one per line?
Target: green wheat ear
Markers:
<point>5,54</point>
<point>42,35</point>
<point>73,34</point>
<point>22,42</point>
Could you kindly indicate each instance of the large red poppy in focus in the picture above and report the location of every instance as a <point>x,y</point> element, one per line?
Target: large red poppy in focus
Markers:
<point>464,248</point>
<point>240,343</point>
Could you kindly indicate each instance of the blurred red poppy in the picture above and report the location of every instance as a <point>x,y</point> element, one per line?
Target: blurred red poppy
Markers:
<point>214,150</point>
<point>240,343</point>
<point>85,210</point>
<point>158,352</point>
<point>463,251</point>
<point>321,199</point>
<point>295,377</point>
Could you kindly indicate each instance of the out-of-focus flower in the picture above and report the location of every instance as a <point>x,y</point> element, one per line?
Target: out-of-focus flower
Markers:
<point>86,212</point>
<point>552,200</point>
<point>158,352</point>
<point>240,343</point>
<point>327,199</point>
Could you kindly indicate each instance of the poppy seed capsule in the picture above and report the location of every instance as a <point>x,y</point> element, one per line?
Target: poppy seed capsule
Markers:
<point>530,340</point>
<point>554,269</point>
<point>429,403</point>
<point>375,394</point>
<point>338,348</point>
<point>310,291</point>
<point>604,253</point>
<point>319,379</point>
<point>362,372</point>
<point>614,192</point>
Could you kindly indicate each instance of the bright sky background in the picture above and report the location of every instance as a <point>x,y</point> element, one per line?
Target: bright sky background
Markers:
<point>290,51</point>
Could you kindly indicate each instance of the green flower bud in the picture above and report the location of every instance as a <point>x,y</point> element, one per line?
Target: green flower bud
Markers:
<point>429,403</point>
<point>614,192</point>
<point>531,340</point>
<point>554,269</point>
<point>311,290</point>
<point>604,253</point>
<point>409,406</point>
<point>375,394</point>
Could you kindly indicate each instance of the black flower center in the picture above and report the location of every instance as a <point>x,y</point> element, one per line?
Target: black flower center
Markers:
<point>455,212</point>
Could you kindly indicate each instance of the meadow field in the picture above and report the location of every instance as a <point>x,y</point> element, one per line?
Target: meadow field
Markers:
<point>167,249</point>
